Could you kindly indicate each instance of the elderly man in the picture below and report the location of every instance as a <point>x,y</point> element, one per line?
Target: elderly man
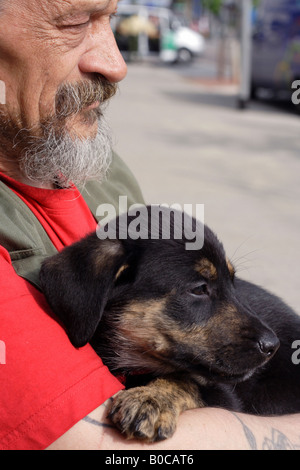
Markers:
<point>59,63</point>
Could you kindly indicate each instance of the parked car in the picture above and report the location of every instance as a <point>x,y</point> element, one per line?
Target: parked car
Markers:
<point>276,47</point>
<point>154,30</point>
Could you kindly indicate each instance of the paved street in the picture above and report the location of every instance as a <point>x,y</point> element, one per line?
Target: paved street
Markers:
<point>187,143</point>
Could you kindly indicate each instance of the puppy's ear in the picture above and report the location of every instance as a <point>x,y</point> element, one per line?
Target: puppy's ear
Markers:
<point>77,283</point>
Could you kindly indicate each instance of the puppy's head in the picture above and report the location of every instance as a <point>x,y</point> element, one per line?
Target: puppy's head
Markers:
<point>164,308</point>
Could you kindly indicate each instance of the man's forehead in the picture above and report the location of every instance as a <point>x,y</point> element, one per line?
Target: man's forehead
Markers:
<point>65,7</point>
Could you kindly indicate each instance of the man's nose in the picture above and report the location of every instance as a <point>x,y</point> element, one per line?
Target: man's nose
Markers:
<point>103,56</point>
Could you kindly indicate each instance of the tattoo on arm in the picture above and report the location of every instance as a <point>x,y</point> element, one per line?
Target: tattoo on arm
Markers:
<point>101,423</point>
<point>276,441</point>
<point>248,433</point>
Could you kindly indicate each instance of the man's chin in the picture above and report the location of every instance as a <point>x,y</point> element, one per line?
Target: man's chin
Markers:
<point>84,126</point>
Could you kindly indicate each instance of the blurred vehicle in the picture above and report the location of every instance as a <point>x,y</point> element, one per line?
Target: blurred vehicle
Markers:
<point>276,47</point>
<point>154,30</point>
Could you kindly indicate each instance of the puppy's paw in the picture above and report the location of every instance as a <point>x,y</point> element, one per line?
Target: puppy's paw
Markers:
<point>140,414</point>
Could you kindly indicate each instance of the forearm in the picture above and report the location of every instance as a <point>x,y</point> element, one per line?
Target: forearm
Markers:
<point>218,429</point>
<point>201,429</point>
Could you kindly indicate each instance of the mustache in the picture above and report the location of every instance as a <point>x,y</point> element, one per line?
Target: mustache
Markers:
<point>73,98</point>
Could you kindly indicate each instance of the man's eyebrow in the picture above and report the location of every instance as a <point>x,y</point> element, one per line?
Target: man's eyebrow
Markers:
<point>85,6</point>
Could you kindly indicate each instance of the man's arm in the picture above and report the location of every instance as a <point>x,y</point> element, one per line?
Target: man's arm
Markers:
<point>201,429</point>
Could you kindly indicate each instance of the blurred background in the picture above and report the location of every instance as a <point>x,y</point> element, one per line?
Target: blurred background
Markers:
<point>209,114</point>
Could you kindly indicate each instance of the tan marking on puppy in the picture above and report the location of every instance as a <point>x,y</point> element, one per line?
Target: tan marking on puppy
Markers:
<point>206,269</point>
<point>122,268</point>
<point>146,323</point>
<point>230,268</point>
<point>148,335</point>
<point>142,328</point>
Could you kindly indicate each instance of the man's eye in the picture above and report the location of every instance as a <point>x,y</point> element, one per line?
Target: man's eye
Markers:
<point>76,26</point>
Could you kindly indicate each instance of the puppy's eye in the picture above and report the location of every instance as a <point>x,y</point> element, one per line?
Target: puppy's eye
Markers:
<point>202,289</point>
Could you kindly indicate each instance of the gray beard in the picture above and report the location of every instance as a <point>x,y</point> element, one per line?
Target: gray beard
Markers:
<point>62,160</point>
<point>49,152</point>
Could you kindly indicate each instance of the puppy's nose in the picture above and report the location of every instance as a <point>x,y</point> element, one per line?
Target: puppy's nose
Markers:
<point>268,344</point>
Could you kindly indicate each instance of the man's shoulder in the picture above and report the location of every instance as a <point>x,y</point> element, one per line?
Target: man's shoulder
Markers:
<point>24,239</point>
<point>120,181</point>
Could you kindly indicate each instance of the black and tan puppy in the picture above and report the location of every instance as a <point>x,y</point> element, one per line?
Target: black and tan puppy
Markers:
<point>178,322</point>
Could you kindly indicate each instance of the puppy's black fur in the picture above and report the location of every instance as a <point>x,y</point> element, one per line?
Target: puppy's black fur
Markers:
<point>183,329</point>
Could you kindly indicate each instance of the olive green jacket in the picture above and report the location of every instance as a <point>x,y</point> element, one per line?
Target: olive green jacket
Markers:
<point>24,237</point>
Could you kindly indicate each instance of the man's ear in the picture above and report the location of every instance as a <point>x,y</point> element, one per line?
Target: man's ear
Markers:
<point>77,283</point>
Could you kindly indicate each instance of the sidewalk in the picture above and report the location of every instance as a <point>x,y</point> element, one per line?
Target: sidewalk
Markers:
<point>187,143</point>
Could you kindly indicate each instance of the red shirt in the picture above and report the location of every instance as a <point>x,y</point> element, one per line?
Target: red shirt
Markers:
<point>46,385</point>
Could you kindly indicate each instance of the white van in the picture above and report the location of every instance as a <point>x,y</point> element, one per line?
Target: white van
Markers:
<point>155,30</point>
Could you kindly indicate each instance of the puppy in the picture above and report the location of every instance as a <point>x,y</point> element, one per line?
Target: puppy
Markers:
<point>178,324</point>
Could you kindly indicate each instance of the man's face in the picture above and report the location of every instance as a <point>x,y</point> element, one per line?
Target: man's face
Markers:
<point>59,61</point>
